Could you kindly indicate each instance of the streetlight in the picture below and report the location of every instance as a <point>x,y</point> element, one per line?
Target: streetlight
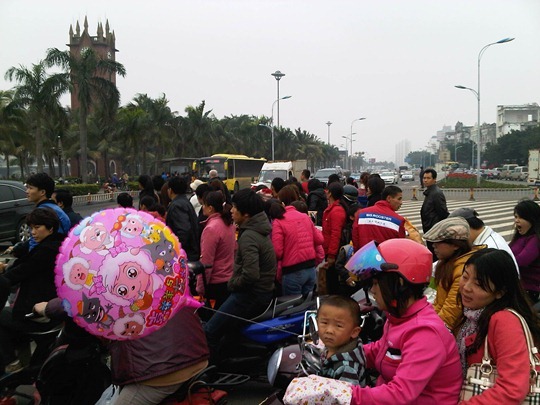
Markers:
<point>272,121</point>
<point>348,139</point>
<point>277,75</point>
<point>328,123</point>
<point>477,93</point>
<point>353,121</point>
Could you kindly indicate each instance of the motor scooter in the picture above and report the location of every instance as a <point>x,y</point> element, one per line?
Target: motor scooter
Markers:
<point>248,351</point>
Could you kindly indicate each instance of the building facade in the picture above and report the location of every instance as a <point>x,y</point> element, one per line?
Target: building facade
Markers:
<point>516,117</point>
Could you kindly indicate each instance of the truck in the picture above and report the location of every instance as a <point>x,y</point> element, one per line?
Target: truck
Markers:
<point>534,166</point>
<point>284,170</point>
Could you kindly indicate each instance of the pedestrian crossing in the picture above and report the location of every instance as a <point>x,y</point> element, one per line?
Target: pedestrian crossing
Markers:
<point>497,214</point>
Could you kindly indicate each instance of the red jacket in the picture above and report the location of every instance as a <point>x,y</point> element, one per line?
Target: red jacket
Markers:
<point>295,238</point>
<point>378,222</point>
<point>334,218</point>
<point>218,244</point>
<point>508,349</point>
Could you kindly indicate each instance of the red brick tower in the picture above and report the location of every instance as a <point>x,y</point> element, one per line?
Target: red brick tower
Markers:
<point>103,44</point>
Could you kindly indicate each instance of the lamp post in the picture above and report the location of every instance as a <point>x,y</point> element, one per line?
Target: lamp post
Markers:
<point>277,75</point>
<point>272,122</point>
<point>348,138</point>
<point>477,93</point>
<point>353,121</point>
<point>328,123</point>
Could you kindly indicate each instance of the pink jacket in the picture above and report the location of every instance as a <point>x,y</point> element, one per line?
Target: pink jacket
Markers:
<point>295,238</point>
<point>508,348</point>
<point>218,243</point>
<point>417,359</point>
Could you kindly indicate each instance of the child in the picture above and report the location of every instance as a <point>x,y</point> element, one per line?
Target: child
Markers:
<point>339,326</point>
<point>125,200</point>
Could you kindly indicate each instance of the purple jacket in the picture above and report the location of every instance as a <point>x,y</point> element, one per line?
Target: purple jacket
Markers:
<point>179,344</point>
<point>526,249</point>
<point>418,361</point>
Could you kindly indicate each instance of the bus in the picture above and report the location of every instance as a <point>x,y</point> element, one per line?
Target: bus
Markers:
<point>181,166</point>
<point>236,171</point>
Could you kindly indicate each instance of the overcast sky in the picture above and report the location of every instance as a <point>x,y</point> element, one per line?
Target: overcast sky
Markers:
<point>394,62</point>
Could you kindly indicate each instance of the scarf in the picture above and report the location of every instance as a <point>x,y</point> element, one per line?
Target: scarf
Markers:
<point>468,328</point>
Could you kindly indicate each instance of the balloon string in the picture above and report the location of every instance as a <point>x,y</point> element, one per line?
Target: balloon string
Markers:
<point>247,320</point>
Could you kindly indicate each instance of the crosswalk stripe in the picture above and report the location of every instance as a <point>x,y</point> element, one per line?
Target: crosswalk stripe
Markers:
<point>497,214</point>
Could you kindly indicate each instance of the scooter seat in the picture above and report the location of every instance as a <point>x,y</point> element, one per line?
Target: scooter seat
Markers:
<point>279,305</point>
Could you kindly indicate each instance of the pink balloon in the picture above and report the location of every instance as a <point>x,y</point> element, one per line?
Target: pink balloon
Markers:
<point>121,274</point>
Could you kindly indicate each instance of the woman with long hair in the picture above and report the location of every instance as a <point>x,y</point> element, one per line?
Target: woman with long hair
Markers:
<point>217,248</point>
<point>451,244</point>
<point>488,287</point>
<point>525,245</point>
<point>295,241</point>
<point>333,221</point>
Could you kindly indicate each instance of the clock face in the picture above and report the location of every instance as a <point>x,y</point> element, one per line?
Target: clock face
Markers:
<point>109,55</point>
<point>84,50</point>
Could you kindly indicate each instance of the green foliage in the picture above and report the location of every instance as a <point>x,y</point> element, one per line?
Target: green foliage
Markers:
<point>81,189</point>
<point>513,147</point>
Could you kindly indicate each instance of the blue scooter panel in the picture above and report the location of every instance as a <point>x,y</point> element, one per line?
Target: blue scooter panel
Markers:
<point>275,329</point>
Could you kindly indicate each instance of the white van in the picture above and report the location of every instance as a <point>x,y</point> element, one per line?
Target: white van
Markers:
<point>506,171</point>
<point>520,173</point>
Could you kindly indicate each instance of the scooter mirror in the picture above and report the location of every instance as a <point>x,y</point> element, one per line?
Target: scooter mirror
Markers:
<point>313,329</point>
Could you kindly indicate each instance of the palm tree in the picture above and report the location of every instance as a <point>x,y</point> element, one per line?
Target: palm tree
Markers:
<point>196,131</point>
<point>40,93</point>
<point>85,72</point>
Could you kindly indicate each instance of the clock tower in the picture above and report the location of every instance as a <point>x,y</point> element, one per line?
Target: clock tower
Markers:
<point>103,44</point>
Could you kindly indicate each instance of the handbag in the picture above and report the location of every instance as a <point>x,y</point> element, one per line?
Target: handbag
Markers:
<point>315,390</point>
<point>482,376</point>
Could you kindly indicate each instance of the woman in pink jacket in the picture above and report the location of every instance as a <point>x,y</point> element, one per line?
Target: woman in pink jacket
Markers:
<point>487,287</point>
<point>417,356</point>
<point>295,241</point>
<point>218,244</point>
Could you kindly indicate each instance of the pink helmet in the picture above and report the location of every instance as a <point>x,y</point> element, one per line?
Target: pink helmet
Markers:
<point>410,259</point>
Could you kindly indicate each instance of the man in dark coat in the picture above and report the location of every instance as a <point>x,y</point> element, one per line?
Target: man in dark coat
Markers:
<point>181,218</point>
<point>434,206</point>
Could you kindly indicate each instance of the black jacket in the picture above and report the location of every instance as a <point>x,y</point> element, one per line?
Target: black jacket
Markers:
<point>182,220</point>
<point>317,201</point>
<point>35,274</point>
<point>434,207</point>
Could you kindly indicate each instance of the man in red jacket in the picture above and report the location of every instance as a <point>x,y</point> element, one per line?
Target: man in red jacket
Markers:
<point>380,221</point>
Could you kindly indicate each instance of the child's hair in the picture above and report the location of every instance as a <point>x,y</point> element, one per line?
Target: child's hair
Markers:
<point>125,200</point>
<point>44,216</point>
<point>152,206</point>
<point>343,302</point>
<point>300,206</point>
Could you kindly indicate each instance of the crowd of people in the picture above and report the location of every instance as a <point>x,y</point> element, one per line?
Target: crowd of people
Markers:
<point>295,238</point>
